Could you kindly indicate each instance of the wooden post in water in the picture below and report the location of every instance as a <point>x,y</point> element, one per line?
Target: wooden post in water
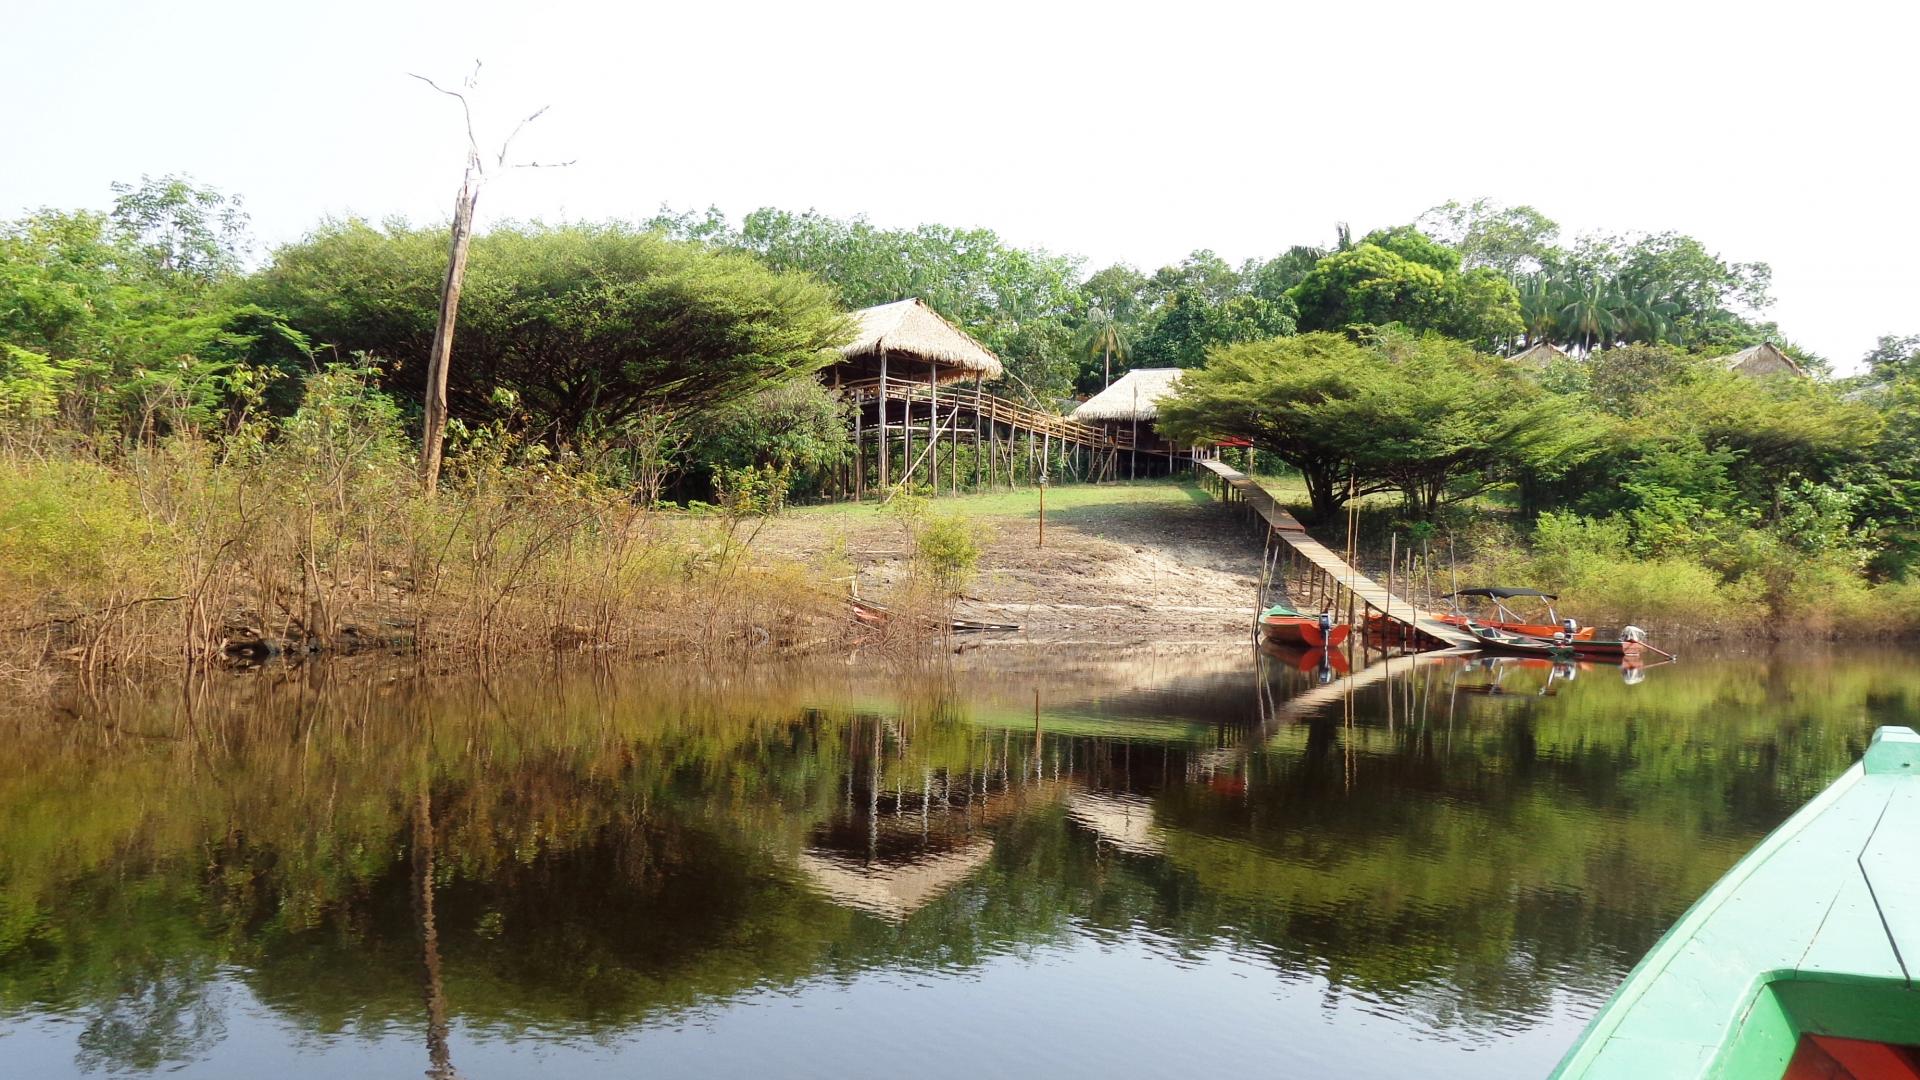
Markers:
<point>933,427</point>
<point>859,451</point>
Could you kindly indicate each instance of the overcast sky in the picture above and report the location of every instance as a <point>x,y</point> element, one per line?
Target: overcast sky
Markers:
<point>1782,133</point>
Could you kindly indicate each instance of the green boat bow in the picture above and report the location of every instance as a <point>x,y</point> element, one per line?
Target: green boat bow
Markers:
<point>1815,933</point>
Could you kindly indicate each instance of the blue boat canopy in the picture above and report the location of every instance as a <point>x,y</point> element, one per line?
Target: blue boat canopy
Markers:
<point>1501,594</point>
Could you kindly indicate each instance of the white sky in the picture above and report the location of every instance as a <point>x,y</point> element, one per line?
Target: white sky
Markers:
<point>1783,133</point>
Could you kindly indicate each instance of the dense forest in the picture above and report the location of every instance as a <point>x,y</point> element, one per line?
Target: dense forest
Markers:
<point>189,423</point>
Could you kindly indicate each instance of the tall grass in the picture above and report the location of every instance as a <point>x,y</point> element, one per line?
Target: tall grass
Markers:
<point>311,533</point>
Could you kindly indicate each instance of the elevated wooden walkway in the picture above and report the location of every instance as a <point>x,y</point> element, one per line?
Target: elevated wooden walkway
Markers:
<point>1289,531</point>
<point>914,432</point>
<point>992,409</point>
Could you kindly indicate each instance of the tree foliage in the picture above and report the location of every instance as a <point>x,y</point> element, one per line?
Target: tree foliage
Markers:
<point>1417,414</point>
<point>583,323</point>
<point>1402,276</point>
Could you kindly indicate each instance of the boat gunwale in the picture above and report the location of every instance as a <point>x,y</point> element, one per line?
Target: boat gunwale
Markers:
<point>1599,1032</point>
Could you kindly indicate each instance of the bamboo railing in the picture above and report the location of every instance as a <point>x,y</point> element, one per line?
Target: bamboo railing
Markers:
<point>991,409</point>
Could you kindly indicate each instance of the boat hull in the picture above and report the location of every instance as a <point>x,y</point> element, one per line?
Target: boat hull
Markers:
<point>1791,962</point>
<point>1302,631</point>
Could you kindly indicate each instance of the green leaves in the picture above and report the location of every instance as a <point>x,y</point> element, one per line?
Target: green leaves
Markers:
<point>581,321</point>
<point>1413,282</point>
<point>1419,414</point>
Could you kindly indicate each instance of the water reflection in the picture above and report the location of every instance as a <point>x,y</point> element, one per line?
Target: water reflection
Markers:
<point>1355,870</point>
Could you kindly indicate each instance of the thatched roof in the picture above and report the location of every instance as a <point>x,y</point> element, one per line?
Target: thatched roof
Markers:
<point>1134,396</point>
<point>1124,821</point>
<point>892,891</point>
<point>1539,354</point>
<point>911,329</point>
<point>1762,359</point>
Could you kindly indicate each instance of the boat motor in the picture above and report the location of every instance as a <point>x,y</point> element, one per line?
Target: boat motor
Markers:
<point>1326,625</point>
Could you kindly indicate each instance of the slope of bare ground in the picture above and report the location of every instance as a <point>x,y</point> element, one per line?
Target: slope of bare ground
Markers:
<point>1129,563</point>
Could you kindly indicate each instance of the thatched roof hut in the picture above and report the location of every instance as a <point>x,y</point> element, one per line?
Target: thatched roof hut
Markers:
<point>1762,359</point>
<point>1134,396</point>
<point>916,340</point>
<point>892,890</point>
<point>1537,355</point>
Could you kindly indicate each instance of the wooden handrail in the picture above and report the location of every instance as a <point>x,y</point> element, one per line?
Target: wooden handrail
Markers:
<point>997,410</point>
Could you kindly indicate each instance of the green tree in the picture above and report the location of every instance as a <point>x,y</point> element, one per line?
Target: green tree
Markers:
<point>1106,340</point>
<point>1893,357</point>
<point>585,324</point>
<point>184,231</point>
<point>1419,414</point>
<point>1277,393</point>
<point>1406,278</point>
<point>1511,240</point>
<point>1188,323</point>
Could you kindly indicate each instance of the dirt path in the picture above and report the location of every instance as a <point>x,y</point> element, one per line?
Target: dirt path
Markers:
<point>1154,562</point>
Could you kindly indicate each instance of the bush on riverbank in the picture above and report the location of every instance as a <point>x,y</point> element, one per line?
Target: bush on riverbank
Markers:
<point>1754,584</point>
<point>310,532</point>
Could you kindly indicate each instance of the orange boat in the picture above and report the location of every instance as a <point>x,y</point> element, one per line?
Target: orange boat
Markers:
<point>1307,661</point>
<point>1285,626</point>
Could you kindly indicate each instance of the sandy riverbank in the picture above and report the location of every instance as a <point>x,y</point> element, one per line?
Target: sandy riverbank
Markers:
<point>1122,564</point>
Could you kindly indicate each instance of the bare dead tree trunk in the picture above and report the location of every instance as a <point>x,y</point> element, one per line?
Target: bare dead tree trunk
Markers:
<point>442,353</point>
<point>439,358</point>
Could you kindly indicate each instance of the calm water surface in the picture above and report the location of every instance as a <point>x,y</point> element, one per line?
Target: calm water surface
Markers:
<point>1184,863</point>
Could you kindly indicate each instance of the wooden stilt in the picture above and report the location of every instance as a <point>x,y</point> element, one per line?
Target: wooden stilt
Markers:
<point>883,422</point>
<point>979,460</point>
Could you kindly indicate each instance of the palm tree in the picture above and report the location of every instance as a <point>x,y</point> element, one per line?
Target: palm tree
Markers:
<point>1587,312</point>
<point>1539,304</point>
<point>1105,339</point>
<point>1644,313</point>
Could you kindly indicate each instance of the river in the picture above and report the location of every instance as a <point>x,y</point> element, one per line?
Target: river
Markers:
<point>1060,862</point>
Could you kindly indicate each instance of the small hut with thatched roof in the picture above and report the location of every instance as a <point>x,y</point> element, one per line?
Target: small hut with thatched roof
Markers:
<point>1132,404</point>
<point>898,350</point>
<point>1537,355</point>
<point>917,344</point>
<point>1762,359</point>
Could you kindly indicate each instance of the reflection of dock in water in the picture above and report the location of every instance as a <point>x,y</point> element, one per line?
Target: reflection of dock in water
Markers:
<point>1306,704</point>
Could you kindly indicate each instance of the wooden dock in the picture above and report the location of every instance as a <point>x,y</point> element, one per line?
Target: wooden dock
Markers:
<point>1340,579</point>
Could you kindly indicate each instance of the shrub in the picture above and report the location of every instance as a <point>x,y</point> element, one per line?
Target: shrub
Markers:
<point>948,548</point>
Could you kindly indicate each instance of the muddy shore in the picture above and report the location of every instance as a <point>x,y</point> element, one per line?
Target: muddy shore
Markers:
<point>1120,573</point>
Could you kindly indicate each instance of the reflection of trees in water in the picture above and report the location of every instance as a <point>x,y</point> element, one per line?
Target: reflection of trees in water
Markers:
<point>159,1018</point>
<point>634,852</point>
